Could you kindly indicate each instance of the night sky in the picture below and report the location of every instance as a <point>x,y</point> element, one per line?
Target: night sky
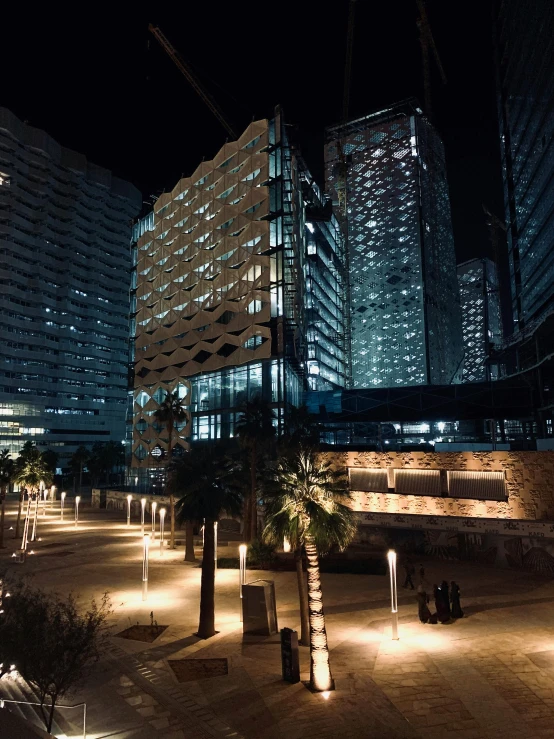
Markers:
<point>99,83</point>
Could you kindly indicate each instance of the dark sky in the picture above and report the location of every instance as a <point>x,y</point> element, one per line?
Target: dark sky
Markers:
<point>99,83</point>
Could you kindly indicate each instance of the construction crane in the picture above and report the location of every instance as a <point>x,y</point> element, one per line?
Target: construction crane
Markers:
<point>189,75</point>
<point>342,168</point>
<point>427,43</point>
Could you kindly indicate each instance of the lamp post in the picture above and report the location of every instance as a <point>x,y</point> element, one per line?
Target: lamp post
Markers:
<point>215,544</point>
<point>37,500</point>
<point>62,501</point>
<point>391,556</point>
<point>286,545</point>
<point>129,499</point>
<point>154,506</point>
<point>242,571</point>
<point>162,519</point>
<point>26,524</point>
<point>45,496</point>
<point>52,496</point>
<point>142,507</point>
<point>77,501</point>
<point>145,548</point>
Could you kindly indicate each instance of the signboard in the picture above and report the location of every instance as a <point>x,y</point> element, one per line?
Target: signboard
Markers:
<point>290,658</point>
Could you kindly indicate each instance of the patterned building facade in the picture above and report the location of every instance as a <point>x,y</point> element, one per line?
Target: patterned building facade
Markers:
<point>65,226</point>
<point>525,85</point>
<point>481,319</point>
<point>386,172</point>
<point>224,270</point>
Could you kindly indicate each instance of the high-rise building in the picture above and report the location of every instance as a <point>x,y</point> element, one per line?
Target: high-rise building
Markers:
<point>65,265</point>
<point>237,293</point>
<point>481,318</point>
<point>524,49</point>
<point>386,174</point>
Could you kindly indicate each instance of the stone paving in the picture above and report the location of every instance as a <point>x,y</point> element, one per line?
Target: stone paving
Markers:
<point>489,674</point>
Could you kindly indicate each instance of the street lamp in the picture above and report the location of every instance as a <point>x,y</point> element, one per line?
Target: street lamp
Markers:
<point>242,571</point>
<point>286,545</point>
<point>391,556</point>
<point>129,499</point>
<point>215,544</point>
<point>62,501</point>
<point>162,519</point>
<point>77,501</point>
<point>145,547</point>
<point>142,507</point>
<point>154,506</point>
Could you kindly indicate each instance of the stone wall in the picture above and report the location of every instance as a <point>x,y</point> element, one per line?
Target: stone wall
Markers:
<point>529,483</point>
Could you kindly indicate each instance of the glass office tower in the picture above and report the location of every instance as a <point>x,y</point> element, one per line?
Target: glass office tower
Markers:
<point>239,272</point>
<point>386,174</point>
<point>481,319</point>
<point>524,48</point>
<point>64,269</point>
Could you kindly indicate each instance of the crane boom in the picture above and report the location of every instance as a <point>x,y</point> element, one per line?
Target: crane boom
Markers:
<point>188,74</point>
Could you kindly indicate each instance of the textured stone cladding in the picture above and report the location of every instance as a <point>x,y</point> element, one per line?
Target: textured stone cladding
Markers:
<point>529,483</point>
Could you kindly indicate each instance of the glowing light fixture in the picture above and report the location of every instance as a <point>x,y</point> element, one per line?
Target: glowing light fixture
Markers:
<point>129,499</point>
<point>145,549</point>
<point>62,501</point>
<point>77,501</point>
<point>142,507</point>
<point>154,506</point>
<point>162,519</point>
<point>286,545</point>
<point>391,556</point>
<point>242,571</point>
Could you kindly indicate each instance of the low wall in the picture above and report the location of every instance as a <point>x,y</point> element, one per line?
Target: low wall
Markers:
<point>529,483</point>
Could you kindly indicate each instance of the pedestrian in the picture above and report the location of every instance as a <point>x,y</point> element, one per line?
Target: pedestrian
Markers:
<point>421,573</point>
<point>442,602</point>
<point>422,608</point>
<point>409,569</point>
<point>455,600</point>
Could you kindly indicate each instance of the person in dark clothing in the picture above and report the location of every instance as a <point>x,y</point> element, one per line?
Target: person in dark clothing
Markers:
<point>422,608</point>
<point>409,569</point>
<point>442,602</point>
<point>455,600</point>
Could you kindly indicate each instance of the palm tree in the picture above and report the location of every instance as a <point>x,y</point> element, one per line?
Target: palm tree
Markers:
<point>29,474</point>
<point>203,479</point>
<point>255,431</point>
<point>306,501</point>
<point>171,412</point>
<point>78,460</point>
<point>6,474</point>
<point>28,452</point>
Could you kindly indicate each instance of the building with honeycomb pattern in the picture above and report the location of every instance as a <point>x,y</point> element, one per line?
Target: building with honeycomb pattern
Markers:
<point>238,291</point>
<point>386,174</point>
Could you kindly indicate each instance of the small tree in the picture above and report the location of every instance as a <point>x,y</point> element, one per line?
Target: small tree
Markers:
<point>307,503</point>
<point>50,642</point>
<point>171,413</point>
<point>203,478</point>
<point>6,475</point>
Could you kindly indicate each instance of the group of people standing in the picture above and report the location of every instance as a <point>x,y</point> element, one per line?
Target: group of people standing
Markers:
<point>447,600</point>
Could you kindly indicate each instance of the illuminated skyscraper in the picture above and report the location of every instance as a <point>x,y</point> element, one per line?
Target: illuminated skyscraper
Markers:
<point>238,292</point>
<point>481,319</point>
<point>524,47</point>
<point>386,174</point>
<point>64,305</point>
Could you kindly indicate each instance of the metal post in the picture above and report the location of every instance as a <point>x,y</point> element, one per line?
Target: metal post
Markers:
<point>45,495</point>
<point>162,519</point>
<point>142,507</point>
<point>215,544</point>
<point>393,594</point>
<point>145,547</point>
<point>77,500</point>
<point>242,572</point>
<point>129,499</point>
<point>62,501</point>
<point>52,496</point>
<point>26,524</point>
<point>153,507</point>
<point>34,534</point>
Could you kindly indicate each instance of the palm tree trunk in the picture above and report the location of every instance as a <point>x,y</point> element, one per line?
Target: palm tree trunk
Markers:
<point>2,512</point>
<point>253,496</point>
<point>303,599</point>
<point>320,671</point>
<point>206,627</point>
<point>171,497</point>
<point>16,535</point>
<point>189,542</point>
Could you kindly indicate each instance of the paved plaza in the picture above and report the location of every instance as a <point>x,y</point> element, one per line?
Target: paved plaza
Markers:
<point>487,675</point>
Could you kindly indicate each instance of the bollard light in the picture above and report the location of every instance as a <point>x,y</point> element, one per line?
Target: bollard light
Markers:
<point>52,496</point>
<point>129,499</point>
<point>62,501</point>
<point>162,519</point>
<point>215,544</point>
<point>286,545</point>
<point>142,507</point>
<point>77,501</point>
<point>45,496</point>
<point>154,506</point>
<point>242,571</point>
<point>145,548</point>
<point>391,556</point>
<point>37,501</point>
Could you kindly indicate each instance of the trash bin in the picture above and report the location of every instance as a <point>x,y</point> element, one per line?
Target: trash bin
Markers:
<point>259,610</point>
